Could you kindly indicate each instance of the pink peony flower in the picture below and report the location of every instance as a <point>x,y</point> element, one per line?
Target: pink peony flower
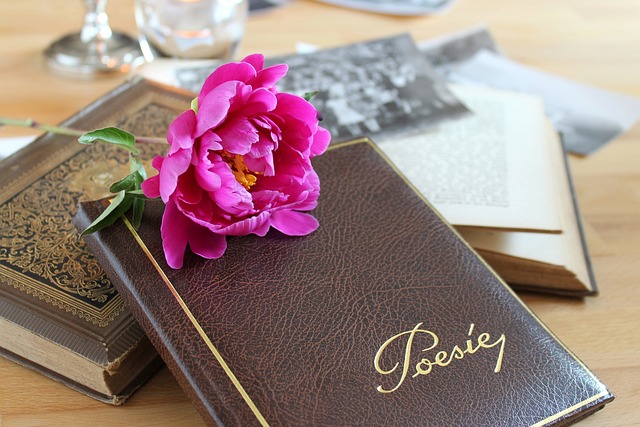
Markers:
<point>238,164</point>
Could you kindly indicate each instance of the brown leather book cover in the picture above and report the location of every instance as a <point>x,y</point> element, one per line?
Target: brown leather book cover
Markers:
<point>59,313</point>
<point>382,316</point>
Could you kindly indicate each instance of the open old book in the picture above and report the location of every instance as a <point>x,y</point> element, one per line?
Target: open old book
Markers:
<point>501,177</point>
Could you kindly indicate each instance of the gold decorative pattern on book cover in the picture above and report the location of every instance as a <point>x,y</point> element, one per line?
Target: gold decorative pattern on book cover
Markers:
<point>40,252</point>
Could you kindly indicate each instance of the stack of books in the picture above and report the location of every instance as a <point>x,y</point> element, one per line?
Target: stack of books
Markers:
<point>398,310</point>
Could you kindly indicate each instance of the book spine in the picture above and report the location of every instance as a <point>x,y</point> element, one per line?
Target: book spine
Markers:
<point>102,249</point>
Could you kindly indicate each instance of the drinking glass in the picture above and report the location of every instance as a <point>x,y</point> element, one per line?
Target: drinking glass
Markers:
<point>190,29</point>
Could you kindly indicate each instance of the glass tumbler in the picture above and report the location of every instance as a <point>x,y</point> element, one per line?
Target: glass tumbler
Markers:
<point>190,29</point>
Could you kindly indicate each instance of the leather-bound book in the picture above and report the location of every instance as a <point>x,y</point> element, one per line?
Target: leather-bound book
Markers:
<point>59,313</point>
<point>382,316</point>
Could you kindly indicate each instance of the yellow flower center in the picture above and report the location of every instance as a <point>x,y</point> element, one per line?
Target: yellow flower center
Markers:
<point>240,170</point>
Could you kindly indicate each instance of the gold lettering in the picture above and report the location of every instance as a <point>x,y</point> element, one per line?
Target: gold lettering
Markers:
<point>501,340</point>
<point>457,352</point>
<point>470,348</point>
<point>420,370</point>
<point>442,358</point>
<point>482,339</point>
<point>407,355</point>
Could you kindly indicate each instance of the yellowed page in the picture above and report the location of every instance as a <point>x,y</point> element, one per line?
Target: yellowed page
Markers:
<point>489,169</point>
<point>564,250</point>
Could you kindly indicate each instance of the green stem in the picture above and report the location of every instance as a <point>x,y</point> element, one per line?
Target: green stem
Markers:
<point>28,123</point>
<point>149,140</point>
<point>59,130</point>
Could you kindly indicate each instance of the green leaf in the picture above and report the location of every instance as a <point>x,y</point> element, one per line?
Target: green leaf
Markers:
<point>135,165</point>
<point>139,179</point>
<point>111,135</point>
<point>137,194</point>
<point>138,209</point>
<point>119,205</point>
<point>126,183</point>
<point>133,180</point>
<point>194,105</point>
<point>308,95</point>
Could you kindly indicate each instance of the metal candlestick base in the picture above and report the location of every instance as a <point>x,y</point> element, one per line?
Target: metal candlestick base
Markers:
<point>116,54</point>
<point>96,49</point>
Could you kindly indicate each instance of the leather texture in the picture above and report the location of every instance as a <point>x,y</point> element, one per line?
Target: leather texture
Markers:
<point>300,320</point>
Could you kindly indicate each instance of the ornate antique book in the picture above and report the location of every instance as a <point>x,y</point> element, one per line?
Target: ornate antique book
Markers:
<point>383,316</point>
<point>59,313</point>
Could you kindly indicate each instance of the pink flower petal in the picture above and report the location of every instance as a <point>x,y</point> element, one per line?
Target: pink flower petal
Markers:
<point>297,135</point>
<point>151,187</point>
<point>260,101</point>
<point>174,229</point>
<point>321,141</point>
<point>205,175</point>
<point>209,141</point>
<point>173,166</point>
<point>180,131</point>
<point>269,76</point>
<point>263,164</point>
<point>231,198</point>
<point>290,163</point>
<point>297,107</point>
<point>233,71</point>
<point>256,60</point>
<point>307,199</point>
<point>293,223</point>
<point>268,199</point>
<point>187,191</point>
<point>309,202</point>
<point>237,135</point>
<point>207,244</point>
<point>157,161</point>
<point>258,224</point>
<point>266,77</point>
<point>213,109</point>
<point>207,179</point>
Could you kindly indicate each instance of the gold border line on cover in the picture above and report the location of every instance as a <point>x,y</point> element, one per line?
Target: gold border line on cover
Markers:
<point>197,326</point>
<point>235,381</point>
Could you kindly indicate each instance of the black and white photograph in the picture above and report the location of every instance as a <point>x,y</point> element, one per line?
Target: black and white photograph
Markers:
<point>450,50</point>
<point>588,117</point>
<point>192,77</point>
<point>378,88</point>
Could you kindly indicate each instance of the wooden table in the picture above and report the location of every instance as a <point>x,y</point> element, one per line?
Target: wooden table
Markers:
<point>593,41</point>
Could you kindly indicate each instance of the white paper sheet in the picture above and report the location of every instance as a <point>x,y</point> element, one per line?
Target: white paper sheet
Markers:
<point>8,146</point>
<point>587,117</point>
